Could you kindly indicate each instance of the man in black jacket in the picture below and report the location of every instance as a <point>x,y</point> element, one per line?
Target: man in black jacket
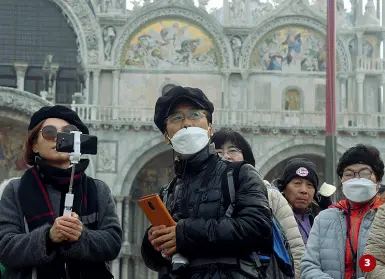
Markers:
<point>212,242</point>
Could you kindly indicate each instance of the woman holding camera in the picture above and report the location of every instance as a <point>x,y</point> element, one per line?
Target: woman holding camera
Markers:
<point>36,240</point>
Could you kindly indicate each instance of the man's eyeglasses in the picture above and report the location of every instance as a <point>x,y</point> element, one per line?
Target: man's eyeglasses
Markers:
<point>348,174</point>
<point>231,151</point>
<point>178,117</point>
<point>50,132</point>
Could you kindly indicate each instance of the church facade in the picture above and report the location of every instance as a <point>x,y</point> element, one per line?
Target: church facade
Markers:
<point>262,65</point>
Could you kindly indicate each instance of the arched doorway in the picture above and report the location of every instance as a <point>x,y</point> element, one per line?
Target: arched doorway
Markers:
<point>156,173</point>
<point>277,170</point>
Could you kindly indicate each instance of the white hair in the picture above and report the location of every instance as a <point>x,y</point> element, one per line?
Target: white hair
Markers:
<point>5,183</point>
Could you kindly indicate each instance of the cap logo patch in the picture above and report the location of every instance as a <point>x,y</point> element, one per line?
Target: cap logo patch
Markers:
<point>302,172</point>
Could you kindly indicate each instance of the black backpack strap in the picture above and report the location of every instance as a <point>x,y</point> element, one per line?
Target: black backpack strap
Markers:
<point>230,185</point>
<point>166,190</point>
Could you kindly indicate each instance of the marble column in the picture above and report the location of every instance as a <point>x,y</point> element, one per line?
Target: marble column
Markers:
<point>343,96</point>
<point>248,12</point>
<point>126,267</point>
<point>115,268</point>
<point>359,43</point>
<point>115,93</point>
<point>226,12</point>
<point>126,222</point>
<point>223,117</point>
<point>95,93</point>
<point>119,206</point>
<point>382,98</point>
<point>139,216</point>
<point>20,69</point>
<point>359,12</point>
<point>360,92</point>
<point>87,89</point>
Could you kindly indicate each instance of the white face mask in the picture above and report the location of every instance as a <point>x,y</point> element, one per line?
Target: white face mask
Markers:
<point>359,189</point>
<point>189,141</point>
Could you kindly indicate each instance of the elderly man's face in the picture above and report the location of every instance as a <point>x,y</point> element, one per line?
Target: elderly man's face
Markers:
<point>185,115</point>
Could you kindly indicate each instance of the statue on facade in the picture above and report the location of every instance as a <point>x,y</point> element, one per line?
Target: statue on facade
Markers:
<point>80,76</point>
<point>237,10</point>
<point>236,45</point>
<point>49,73</point>
<point>109,35</point>
<point>135,4</point>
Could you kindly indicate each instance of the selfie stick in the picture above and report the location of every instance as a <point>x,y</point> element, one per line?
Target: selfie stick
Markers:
<point>74,158</point>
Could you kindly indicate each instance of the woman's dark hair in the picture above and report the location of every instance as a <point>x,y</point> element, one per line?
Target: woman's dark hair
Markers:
<point>29,155</point>
<point>362,154</point>
<point>221,137</point>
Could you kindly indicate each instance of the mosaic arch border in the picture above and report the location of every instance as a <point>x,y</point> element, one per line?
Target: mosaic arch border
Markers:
<point>293,148</point>
<point>80,17</point>
<point>261,30</point>
<point>135,162</point>
<point>195,16</point>
<point>22,104</point>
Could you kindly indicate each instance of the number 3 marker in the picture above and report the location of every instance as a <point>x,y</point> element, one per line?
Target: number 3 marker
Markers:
<point>367,263</point>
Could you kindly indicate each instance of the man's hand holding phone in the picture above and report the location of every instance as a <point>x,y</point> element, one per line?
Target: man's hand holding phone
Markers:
<point>163,238</point>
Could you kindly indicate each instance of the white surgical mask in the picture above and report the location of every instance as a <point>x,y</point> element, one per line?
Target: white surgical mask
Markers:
<point>189,141</point>
<point>359,189</point>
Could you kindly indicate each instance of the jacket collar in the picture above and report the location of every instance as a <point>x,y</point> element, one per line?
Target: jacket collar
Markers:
<point>194,163</point>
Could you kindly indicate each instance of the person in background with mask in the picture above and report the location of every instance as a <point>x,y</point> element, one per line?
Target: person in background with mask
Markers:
<point>233,146</point>
<point>212,242</point>
<point>299,184</point>
<point>339,234</point>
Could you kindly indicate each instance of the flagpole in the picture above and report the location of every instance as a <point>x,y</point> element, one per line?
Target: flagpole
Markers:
<point>331,129</point>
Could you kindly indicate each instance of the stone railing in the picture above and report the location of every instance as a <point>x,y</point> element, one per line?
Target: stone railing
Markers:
<point>235,118</point>
<point>368,64</point>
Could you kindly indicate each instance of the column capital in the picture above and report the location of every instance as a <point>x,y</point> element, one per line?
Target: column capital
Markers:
<point>20,68</point>
<point>360,78</point>
<point>226,75</point>
<point>119,199</point>
<point>116,73</point>
<point>96,72</point>
<point>343,76</point>
<point>245,75</point>
<point>382,79</point>
<point>360,34</point>
<point>127,199</point>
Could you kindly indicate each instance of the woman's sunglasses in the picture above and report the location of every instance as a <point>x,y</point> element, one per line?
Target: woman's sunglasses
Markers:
<point>50,132</point>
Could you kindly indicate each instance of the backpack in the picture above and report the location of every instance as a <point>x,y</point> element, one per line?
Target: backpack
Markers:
<point>281,263</point>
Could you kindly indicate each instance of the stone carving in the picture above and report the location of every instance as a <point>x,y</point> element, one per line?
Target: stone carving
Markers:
<point>260,10</point>
<point>107,156</point>
<point>178,43</point>
<point>237,10</point>
<point>92,42</point>
<point>291,49</point>
<point>49,73</point>
<point>203,4</point>
<point>370,17</point>
<point>236,45</point>
<point>109,35</point>
<point>11,155</point>
<point>135,4</point>
<point>213,32</point>
<point>235,92</point>
<point>93,57</point>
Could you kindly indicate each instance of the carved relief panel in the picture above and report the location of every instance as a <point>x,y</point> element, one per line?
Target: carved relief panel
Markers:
<point>107,158</point>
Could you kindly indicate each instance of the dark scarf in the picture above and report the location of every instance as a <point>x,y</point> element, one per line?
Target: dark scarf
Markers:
<point>38,211</point>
